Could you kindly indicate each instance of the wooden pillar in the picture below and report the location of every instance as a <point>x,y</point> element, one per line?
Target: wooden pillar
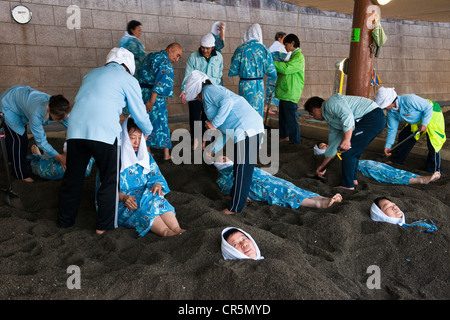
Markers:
<point>360,59</point>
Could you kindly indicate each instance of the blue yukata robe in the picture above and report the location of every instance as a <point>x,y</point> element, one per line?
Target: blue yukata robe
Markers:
<point>134,182</point>
<point>268,188</point>
<point>271,82</point>
<point>49,168</point>
<point>251,61</point>
<point>134,45</point>
<point>156,75</point>
<point>384,173</point>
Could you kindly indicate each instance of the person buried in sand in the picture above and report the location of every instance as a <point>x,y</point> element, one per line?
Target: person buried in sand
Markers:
<point>271,189</point>
<point>142,187</point>
<point>384,173</point>
<point>238,244</point>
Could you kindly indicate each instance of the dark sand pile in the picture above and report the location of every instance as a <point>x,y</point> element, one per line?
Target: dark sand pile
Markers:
<point>309,253</point>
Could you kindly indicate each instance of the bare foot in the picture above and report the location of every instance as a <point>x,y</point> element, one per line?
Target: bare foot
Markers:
<point>426,180</point>
<point>284,139</point>
<point>167,155</point>
<point>28,179</point>
<point>341,187</point>
<point>355,182</point>
<point>249,199</point>
<point>179,230</point>
<point>35,149</point>
<point>99,232</point>
<point>226,211</point>
<point>336,198</point>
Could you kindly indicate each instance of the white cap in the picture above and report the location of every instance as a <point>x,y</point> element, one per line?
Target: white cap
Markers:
<point>208,41</point>
<point>376,214</point>
<point>122,56</point>
<point>230,253</point>
<point>194,85</point>
<point>385,97</point>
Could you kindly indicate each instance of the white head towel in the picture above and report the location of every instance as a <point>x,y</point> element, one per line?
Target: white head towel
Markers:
<point>208,41</point>
<point>385,97</point>
<point>223,165</point>
<point>377,215</point>
<point>215,28</point>
<point>194,84</point>
<point>128,156</point>
<point>230,253</point>
<point>317,151</point>
<point>122,56</point>
<point>254,32</point>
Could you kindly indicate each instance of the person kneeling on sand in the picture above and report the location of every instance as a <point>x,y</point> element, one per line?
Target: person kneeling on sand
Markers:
<point>142,187</point>
<point>384,210</point>
<point>384,173</point>
<point>238,244</point>
<point>274,190</point>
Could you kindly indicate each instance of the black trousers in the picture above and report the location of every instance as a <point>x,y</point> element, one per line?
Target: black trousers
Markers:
<point>289,126</point>
<point>245,158</point>
<point>196,113</point>
<point>17,147</point>
<point>79,152</point>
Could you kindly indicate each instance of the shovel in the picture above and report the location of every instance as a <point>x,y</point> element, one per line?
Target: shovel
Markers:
<point>323,179</point>
<point>384,157</point>
<point>12,199</point>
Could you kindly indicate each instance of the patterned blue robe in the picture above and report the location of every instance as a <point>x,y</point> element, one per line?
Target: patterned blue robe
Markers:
<point>252,60</point>
<point>277,56</point>
<point>134,45</point>
<point>384,173</point>
<point>156,75</point>
<point>49,168</point>
<point>268,188</point>
<point>135,183</point>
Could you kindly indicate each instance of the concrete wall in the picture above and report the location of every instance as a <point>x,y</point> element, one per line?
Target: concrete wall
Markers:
<point>45,54</point>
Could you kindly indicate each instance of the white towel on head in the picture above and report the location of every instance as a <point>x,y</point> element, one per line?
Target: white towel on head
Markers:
<point>122,56</point>
<point>318,152</point>
<point>385,97</point>
<point>215,28</point>
<point>254,32</point>
<point>194,84</point>
<point>222,165</point>
<point>230,253</point>
<point>208,41</point>
<point>128,156</point>
<point>376,214</point>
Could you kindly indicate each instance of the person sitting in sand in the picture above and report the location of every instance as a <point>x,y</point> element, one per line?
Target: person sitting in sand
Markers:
<point>142,188</point>
<point>384,210</point>
<point>271,189</point>
<point>238,244</point>
<point>384,173</point>
<point>48,167</point>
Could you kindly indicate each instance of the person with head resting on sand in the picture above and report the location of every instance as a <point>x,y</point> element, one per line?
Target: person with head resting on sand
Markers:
<point>385,210</point>
<point>353,122</point>
<point>142,188</point>
<point>276,191</point>
<point>238,244</point>
<point>384,173</point>
<point>234,118</point>
<point>49,168</point>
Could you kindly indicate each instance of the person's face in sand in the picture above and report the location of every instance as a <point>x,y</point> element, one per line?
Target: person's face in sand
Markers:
<point>323,146</point>
<point>240,242</point>
<point>135,138</point>
<point>390,209</point>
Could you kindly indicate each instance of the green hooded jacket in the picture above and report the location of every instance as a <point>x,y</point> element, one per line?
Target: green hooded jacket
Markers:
<point>290,77</point>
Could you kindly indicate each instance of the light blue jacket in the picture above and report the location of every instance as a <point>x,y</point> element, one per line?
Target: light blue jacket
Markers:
<point>341,112</point>
<point>104,92</point>
<point>229,111</point>
<point>22,105</point>
<point>411,109</point>
<point>212,68</point>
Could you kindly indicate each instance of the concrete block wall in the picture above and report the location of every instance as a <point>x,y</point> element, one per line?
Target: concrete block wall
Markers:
<point>45,54</point>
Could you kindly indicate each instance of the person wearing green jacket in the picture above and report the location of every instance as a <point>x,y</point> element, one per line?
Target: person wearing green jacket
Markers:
<point>288,89</point>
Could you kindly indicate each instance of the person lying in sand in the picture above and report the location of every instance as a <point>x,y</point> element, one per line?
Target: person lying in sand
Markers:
<point>384,173</point>
<point>238,244</point>
<point>48,167</point>
<point>142,187</point>
<point>271,189</point>
<point>384,210</point>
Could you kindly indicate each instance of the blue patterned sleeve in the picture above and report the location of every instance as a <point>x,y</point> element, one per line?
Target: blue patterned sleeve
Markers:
<point>164,79</point>
<point>235,63</point>
<point>155,176</point>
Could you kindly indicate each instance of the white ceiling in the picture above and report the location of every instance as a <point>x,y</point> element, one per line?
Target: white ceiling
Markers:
<point>416,10</point>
